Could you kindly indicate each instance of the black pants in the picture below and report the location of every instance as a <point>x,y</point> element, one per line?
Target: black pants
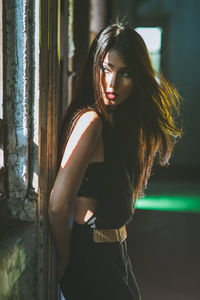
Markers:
<point>98,271</point>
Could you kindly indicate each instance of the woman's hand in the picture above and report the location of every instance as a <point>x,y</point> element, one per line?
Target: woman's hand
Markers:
<point>61,270</point>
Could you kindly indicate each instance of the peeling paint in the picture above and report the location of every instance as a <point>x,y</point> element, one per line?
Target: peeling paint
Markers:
<point>19,93</point>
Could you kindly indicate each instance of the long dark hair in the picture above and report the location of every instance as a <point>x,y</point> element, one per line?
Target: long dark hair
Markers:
<point>149,112</point>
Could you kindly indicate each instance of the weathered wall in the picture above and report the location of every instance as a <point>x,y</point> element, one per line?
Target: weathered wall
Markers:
<point>37,85</point>
<point>18,238</point>
<point>17,262</point>
<point>19,106</point>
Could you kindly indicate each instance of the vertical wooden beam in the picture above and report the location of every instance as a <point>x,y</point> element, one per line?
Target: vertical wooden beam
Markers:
<point>48,133</point>
<point>81,31</point>
<point>97,17</point>
<point>43,234</point>
<point>64,21</point>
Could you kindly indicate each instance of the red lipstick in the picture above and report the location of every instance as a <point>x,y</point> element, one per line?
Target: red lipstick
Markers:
<point>111,96</point>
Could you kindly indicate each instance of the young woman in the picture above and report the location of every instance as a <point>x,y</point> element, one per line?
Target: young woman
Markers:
<point>121,116</point>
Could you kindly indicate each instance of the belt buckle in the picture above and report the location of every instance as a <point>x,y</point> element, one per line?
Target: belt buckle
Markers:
<point>122,234</point>
<point>109,235</point>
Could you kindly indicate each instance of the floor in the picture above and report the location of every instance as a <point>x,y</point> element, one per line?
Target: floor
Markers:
<point>164,247</point>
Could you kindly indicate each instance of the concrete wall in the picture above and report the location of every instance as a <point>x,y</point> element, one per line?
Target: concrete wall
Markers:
<point>34,59</point>
<point>18,239</point>
<point>17,262</point>
<point>20,103</point>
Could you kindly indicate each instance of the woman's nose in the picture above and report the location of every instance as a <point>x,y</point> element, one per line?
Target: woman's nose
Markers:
<point>113,80</point>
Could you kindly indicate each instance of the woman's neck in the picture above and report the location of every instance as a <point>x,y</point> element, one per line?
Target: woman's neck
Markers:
<point>111,116</point>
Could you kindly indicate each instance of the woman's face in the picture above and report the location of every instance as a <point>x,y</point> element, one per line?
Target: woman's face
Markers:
<point>116,79</point>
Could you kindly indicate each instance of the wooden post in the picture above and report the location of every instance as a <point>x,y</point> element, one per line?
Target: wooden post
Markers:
<point>48,133</point>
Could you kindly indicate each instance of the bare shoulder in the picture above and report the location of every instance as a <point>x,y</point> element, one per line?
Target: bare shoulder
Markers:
<point>89,118</point>
<point>88,123</point>
<point>84,137</point>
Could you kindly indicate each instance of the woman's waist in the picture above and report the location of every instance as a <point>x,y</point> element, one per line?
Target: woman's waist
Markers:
<point>105,221</point>
<point>95,220</point>
<point>96,231</point>
<point>84,209</point>
<point>110,213</point>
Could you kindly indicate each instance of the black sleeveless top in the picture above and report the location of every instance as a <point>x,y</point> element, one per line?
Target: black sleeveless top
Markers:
<point>110,182</point>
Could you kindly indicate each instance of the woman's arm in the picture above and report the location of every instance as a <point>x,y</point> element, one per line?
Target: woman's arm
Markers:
<point>76,158</point>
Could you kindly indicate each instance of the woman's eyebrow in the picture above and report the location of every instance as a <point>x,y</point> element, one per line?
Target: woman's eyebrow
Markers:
<point>108,64</point>
<point>125,69</point>
<point>112,66</point>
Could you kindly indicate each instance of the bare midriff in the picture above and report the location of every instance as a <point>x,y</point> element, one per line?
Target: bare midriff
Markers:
<point>84,209</point>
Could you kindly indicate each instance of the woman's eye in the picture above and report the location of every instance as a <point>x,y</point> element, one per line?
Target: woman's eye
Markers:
<point>106,70</point>
<point>126,74</point>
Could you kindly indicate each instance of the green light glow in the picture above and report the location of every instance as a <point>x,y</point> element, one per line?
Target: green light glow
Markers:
<point>179,203</point>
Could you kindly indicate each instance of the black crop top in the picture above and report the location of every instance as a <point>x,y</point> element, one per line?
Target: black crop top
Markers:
<point>110,182</point>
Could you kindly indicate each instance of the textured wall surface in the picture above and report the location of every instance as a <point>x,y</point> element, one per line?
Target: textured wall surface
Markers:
<point>19,100</point>
<point>18,238</point>
<point>16,262</point>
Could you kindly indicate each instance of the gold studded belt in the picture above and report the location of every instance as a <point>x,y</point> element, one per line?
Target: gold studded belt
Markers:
<point>109,235</point>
